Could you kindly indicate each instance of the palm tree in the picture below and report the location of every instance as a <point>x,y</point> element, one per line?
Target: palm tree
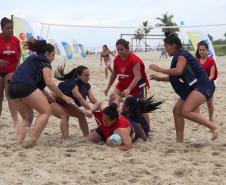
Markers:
<point>138,35</point>
<point>146,28</point>
<point>166,20</point>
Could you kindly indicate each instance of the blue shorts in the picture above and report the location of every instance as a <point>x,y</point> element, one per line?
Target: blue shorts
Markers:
<point>206,88</point>
<point>20,90</point>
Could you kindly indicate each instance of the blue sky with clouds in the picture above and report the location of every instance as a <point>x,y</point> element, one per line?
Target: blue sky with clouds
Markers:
<point>114,13</point>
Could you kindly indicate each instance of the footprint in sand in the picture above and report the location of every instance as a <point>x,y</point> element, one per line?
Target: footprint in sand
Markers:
<point>171,150</point>
<point>179,172</point>
<point>196,145</point>
<point>215,153</point>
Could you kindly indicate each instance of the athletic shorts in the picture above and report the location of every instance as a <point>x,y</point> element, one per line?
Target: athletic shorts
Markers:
<point>20,90</point>
<point>100,133</point>
<point>3,74</point>
<point>205,88</point>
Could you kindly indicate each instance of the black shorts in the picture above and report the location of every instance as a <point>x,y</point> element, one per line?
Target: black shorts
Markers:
<point>100,133</point>
<point>20,90</point>
<point>3,74</point>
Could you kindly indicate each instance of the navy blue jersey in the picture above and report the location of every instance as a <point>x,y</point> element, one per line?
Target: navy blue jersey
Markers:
<point>68,85</point>
<point>192,76</point>
<point>192,69</point>
<point>30,71</point>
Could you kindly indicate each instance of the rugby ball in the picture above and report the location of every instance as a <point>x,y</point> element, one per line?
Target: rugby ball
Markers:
<point>116,139</point>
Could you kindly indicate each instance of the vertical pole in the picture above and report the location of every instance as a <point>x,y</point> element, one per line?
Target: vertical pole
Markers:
<point>13,22</point>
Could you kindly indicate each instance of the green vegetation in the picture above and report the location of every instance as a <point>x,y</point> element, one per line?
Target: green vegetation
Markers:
<point>167,20</point>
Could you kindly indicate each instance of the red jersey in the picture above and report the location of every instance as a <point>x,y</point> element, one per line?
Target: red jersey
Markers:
<point>9,51</point>
<point>124,70</point>
<point>207,66</point>
<point>122,122</point>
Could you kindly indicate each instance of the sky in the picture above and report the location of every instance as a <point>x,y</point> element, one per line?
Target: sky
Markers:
<point>114,13</point>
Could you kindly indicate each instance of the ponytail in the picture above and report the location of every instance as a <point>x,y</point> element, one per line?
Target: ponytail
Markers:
<point>172,38</point>
<point>138,106</point>
<point>74,73</point>
<point>39,46</point>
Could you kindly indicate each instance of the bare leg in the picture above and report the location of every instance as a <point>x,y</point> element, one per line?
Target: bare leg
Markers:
<point>194,100</point>
<point>26,113</point>
<point>106,72</point>
<point>147,119</point>
<point>78,113</point>
<point>38,101</point>
<point>60,112</point>
<point>11,104</point>
<point>141,132</point>
<point>210,108</point>
<point>94,137</point>
<point>179,121</point>
<point>109,68</point>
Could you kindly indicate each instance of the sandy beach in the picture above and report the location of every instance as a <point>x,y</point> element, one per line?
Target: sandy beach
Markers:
<point>159,161</point>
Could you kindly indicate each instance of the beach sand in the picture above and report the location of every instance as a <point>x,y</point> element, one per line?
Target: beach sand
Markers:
<point>159,161</point>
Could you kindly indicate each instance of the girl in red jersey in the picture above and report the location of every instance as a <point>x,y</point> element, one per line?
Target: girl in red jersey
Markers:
<point>130,71</point>
<point>130,125</point>
<point>105,55</point>
<point>9,59</point>
<point>209,65</point>
<point>110,122</point>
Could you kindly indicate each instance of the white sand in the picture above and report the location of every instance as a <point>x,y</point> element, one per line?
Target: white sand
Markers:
<point>158,161</point>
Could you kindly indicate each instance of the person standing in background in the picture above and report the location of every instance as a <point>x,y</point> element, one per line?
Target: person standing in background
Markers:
<point>10,54</point>
<point>209,65</point>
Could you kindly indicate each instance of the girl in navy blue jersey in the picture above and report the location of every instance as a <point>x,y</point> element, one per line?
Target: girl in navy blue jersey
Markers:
<point>190,82</point>
<point>75,84</point>
<point>27,89</point>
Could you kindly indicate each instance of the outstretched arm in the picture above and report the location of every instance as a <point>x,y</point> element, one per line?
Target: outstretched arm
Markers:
<point>91,97</point>
<point>158,78</point>
<point>177,71</point>
<point>97,106</point>
<point>76,94</point>
<point>111,81</point>
<point>53,87</point>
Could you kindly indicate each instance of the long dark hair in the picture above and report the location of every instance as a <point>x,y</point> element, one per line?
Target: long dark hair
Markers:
<point>39,46</point>
<point>136,106</point>
<point>111,111</point>
<point>201,43</point>
<point>74,73</point>
<point>172,38</point>
<point>5,21</point>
